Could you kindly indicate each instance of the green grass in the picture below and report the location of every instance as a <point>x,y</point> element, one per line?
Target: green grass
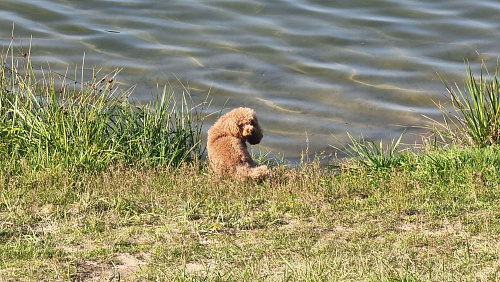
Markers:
<point>91,127</point>
<point>95,187</point>
<point>437,219</point>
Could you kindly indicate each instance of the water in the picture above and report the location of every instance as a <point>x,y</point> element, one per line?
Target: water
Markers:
<point>309,68</point>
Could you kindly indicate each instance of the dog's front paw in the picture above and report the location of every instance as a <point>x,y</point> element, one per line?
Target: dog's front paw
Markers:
<point>260,172</point>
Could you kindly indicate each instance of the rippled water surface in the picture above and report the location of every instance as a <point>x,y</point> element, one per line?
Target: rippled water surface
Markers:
<point>309,68</point>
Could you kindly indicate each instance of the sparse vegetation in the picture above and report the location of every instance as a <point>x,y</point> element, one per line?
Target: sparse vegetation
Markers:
<point>93,187</point>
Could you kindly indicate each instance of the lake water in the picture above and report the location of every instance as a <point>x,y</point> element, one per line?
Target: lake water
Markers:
<point>310,68</point>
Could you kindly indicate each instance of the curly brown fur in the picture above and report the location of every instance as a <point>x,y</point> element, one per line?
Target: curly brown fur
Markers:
<point>227,148</point>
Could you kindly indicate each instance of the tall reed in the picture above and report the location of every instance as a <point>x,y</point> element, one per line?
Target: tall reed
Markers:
<point>91,127</point>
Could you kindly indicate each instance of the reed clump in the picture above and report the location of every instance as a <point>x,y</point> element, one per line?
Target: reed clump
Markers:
<point>92,126</point>
<point>476,107</point>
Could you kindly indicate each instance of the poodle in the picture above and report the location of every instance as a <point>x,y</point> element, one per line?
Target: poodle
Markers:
<point>227,148</point>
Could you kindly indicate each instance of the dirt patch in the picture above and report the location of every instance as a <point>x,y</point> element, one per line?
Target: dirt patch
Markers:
<point>93,271</point>
<point>196,267</point>
<point>86,247</point>
<point>446,230</point>
<point>193,267</point>
<point>125,267</point>
<point>129,265</point>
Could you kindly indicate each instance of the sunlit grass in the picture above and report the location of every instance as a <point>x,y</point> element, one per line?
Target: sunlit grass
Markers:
<point>93,126</point>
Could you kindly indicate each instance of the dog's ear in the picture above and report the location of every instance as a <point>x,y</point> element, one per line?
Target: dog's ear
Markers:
<point>233,128</point>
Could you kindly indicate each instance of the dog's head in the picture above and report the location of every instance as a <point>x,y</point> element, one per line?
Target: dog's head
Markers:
<point>243,124</point>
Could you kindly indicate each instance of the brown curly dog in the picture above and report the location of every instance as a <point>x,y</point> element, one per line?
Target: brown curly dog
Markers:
<point>227,148</point>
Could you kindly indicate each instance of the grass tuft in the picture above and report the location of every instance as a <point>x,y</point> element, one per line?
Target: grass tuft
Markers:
<point>476,121</point>
<point>370,154</point>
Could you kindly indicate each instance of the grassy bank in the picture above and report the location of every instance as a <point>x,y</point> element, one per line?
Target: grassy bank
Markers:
<point>95,187</point>
<point>437,219</point>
